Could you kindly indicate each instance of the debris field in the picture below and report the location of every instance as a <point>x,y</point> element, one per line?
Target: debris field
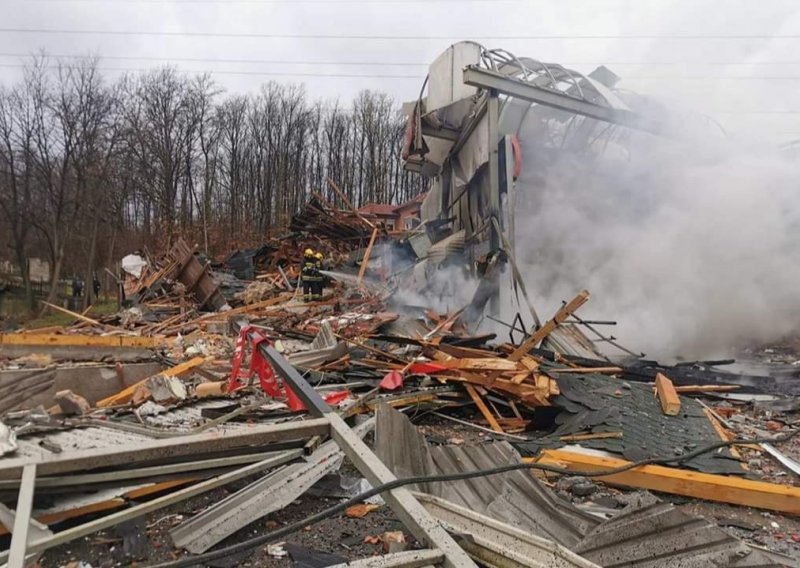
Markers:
<point>222,418</point>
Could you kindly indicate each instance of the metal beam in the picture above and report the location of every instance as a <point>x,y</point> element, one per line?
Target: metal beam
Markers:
<point>406,559</point>
<point>22,518</point>
<point>158,503</point>
<point>493,116</point>
<point>149,473</point>
<point>493,543</point>
<point>262,497</point>
<point>165,449</point>
<point>311,398</point>
<point>415,518</point>
<point>443,132</point>
<point>517,88</point>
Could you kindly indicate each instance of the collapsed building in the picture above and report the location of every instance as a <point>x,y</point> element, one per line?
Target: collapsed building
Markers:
<point>533,451</point>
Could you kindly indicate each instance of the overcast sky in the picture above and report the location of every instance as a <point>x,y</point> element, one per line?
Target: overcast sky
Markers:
<point>750,83</point>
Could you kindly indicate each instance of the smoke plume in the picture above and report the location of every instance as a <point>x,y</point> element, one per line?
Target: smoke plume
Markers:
<point>692,245</point>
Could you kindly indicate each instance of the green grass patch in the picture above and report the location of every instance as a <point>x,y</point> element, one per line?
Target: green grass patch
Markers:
<point>53,317</point>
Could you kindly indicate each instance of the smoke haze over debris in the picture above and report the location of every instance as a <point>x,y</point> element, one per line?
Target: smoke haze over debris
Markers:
<point>691,245</point>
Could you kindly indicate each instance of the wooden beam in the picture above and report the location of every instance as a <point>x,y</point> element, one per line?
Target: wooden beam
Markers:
<point>588,370</point>
<point>53,518</point>
<point>347,202</point>
<point>363,268</point>
<point>487,364</point>
<point>476,398</point>
<point>667,396</point>
<point>721,488</point>
<point>689,389</point>
<point>76,315</point>
<point>550,325</point>
<point>54,340</point>
<point>596,436</point>
<point>124,396</point>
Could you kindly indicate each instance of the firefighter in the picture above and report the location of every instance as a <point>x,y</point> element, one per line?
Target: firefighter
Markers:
<point>307,274</point>
<point>319,284</point>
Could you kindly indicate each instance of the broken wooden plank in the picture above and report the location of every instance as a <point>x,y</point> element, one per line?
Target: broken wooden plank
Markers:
<point>76,315</point>
<point>125,395</point>
<point>724,434</point>
<point>495,364</point>
<point>669,399</point>
<point>699,389</point>
<point>363,268</point>
<point>476,398</point>
<point>589,370</point>
<point>349,204</point>
<point>722,488</point>
<point>541,333</point>
<point>595,436</point>
<point>84,510</point>
<point>55,340</point>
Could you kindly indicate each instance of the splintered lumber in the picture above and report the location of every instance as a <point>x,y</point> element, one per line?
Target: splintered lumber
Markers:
<point>667,396</point>
<point>690,389</point>
<point>77,316</point>
<point>595,436</point>
<point>363,268</point>
<point>487,414</point>
<point>194,276</point>
<point>80,340</point>
<point>726,435</point>
<point>126,395</point>
<point>496,364</point>
<point>541,333</point>
<point>589,370</point>
<point>349,204</point>
<point>721,488</point>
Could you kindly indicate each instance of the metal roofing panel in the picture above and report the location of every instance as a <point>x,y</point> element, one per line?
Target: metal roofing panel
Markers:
<point>76,439</point>
<point>652,534</point>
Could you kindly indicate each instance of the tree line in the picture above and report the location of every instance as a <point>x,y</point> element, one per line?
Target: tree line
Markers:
<point>91,169</point>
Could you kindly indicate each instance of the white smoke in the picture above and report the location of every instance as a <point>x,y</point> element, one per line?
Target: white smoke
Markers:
<point>693,246</point>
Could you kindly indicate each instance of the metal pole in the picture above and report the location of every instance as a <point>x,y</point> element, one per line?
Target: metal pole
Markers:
<point>493,116</point>
<point>22,518</point>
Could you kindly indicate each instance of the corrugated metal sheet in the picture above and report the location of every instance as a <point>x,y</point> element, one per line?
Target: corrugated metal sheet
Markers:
<point>76,439</point>
<point>454,244</point>
<point>515,498</point>
<point>653,534</point>
<point>647,534</point>
<point>569,340</point>
<point>178,420</point>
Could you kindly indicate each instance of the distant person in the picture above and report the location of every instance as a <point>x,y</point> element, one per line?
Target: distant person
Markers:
<point>76,287</point>
<point>319,284</point>
<point>96,287</point>
<point>307,274</point>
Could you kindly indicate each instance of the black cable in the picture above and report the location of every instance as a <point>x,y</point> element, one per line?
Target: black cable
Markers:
<point>341,507</point>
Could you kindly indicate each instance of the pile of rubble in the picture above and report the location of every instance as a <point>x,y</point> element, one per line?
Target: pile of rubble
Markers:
<point>267,429</point>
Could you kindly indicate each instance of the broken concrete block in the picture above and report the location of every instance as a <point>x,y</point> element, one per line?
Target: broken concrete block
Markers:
<point>165,389</point>
<point>71,403</point>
